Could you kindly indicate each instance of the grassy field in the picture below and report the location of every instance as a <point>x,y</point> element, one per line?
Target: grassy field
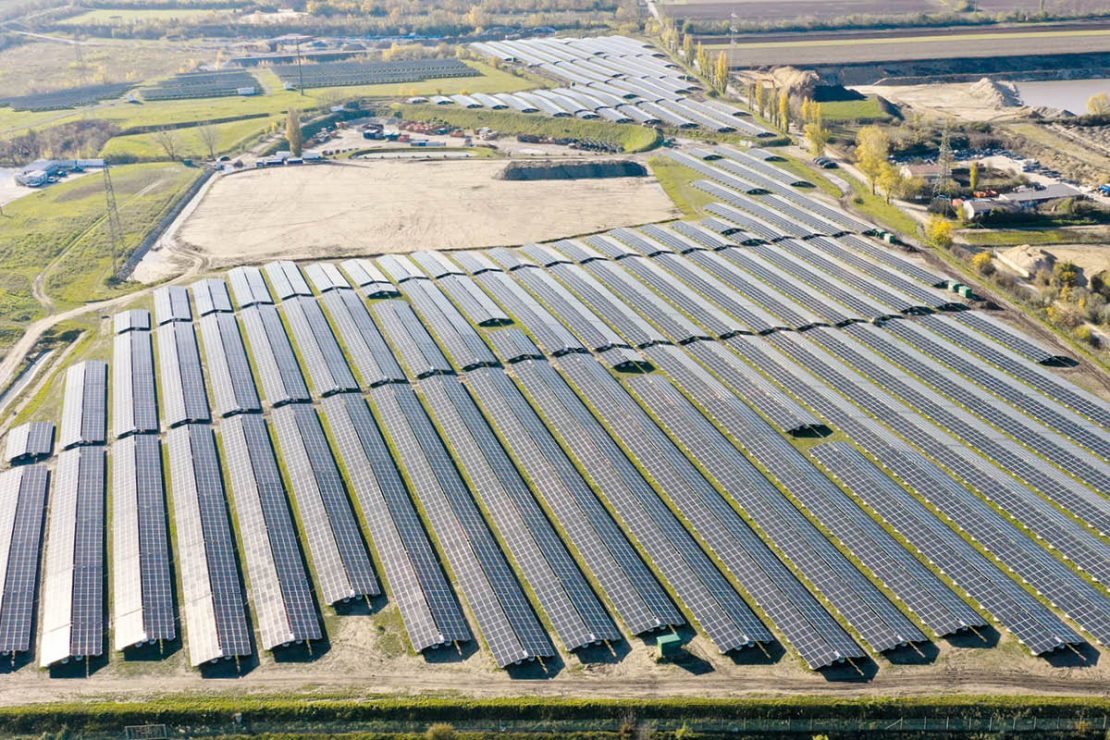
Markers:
<point>191,145</point>
<point>631,138</point>
<point>676,180</point>
<point>1016,237</point>
<point>869,109</point>
<point>43,65</point>
<point>169,112</point>
<point>124,16</point>
<point>61,231</point>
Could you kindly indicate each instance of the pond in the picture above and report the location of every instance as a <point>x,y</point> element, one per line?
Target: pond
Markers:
<point>1070,95</point>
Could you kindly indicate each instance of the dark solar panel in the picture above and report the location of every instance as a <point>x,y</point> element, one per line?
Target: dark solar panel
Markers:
<point>22,513</point>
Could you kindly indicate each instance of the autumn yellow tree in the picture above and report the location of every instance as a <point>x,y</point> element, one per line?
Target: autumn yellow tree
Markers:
<point>722,72</point>
<point>939,232</point>
<point>1099,105</point>
<point>872,152</point>
<point>688,48</point>
<point>784,110</point>
<point>293,133</point>
<point>760,99</point>
<point>703,60</point>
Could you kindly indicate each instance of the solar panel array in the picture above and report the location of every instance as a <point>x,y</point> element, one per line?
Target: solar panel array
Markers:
<point>29,442</point>
<point>614,78</point>
<point>85,405</point>
<point>22,513</point>
<point>580,440</point>
<point>74,578</point>
<point>142,603</point>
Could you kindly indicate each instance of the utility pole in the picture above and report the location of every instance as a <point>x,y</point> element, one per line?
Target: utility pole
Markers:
<point>300,70</point>
<point>944,161</point>
<point>115,229</point>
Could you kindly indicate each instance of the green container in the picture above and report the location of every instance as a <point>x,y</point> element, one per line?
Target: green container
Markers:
<point>668,645</point>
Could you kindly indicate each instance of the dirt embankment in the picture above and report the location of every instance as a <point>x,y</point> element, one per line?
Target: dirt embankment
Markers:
<point>969,69</point>
<point>590,170</point>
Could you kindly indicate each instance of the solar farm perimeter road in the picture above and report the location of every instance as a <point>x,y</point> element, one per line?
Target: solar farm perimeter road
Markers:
<point>856,50</point>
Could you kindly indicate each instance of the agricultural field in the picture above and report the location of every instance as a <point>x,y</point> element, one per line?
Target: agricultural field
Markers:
<point>847,13</point>
<point>857,50</point>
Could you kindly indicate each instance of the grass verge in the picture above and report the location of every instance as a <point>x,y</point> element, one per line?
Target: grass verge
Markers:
<point>677,180</point>
<point>629,137</point>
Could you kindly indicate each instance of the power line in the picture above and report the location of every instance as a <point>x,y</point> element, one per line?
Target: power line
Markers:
<point>115,228</point>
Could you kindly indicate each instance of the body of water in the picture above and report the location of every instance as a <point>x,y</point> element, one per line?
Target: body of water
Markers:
<point>1070,95</point>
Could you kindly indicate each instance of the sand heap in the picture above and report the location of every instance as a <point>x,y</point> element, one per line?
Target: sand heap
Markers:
<point>1026,260</point>
<point>996,94</point>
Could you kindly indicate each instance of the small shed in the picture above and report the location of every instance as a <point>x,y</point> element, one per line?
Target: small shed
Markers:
<point>668,646</point>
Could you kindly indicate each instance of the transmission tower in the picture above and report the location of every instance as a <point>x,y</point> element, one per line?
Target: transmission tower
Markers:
<point>115,229</point>
<point>944,161</point>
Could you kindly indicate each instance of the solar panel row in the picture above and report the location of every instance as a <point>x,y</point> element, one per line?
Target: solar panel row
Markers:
<point>277,365</point>
<point>342,565</point>
<point>134,391</point>
<point>73,572</point>
<point>282,593</point>
<point>370,358</point>
<point>286,280</point>
<point>29,442</point>
<point>229,370</point>
<point>211,296</point>
<point>22,513</point>
<point>638,599</point>
<point>508,624</point>
<point>560,588</point>
<point>212,595</point>
<point>184,399</point>
<point>321,355</point>
<point>142,588</point>
<point>85,406</point>
<point>171,303</point>
<point>248,286</point>
<point>417,584</point>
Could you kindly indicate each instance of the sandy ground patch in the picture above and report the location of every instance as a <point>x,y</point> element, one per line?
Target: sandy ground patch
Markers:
<point>966,101</point>
<point>395,206</point>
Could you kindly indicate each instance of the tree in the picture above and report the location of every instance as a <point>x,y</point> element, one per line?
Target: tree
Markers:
<point>293,133</point>
<point>1099,105</point>
<point>872,151</point>
<point>784,110</point>
<point>939,232</point>
<point>688,48</point>
<point>760,98</point>
<point>210,137</point>
<point>440,731</point>
<point>982,263</point>
<point>973,176</point>
<point>817,135</point>
<point>722,72</point>
<point>703,60</point>
<point>1066,274</point>
<point>891,180</point>
<point>167,139</point>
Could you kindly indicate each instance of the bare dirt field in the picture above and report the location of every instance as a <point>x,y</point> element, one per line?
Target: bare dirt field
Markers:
<point>396,206</point>
<point>781,10</point>
<point>977,43</point>
<point>366,656</point>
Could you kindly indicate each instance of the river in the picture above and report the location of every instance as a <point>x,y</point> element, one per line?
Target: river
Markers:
<point>1070,95</point>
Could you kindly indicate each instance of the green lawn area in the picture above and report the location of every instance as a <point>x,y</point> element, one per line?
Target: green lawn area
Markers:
<point>886,214</point>
<point>1015,237</point>
<point>676,180</point>
<point>869,109</point>
<point>632,138</point>
<point>122,16</point>
<point>61,230</point>
<point>191,144</point>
